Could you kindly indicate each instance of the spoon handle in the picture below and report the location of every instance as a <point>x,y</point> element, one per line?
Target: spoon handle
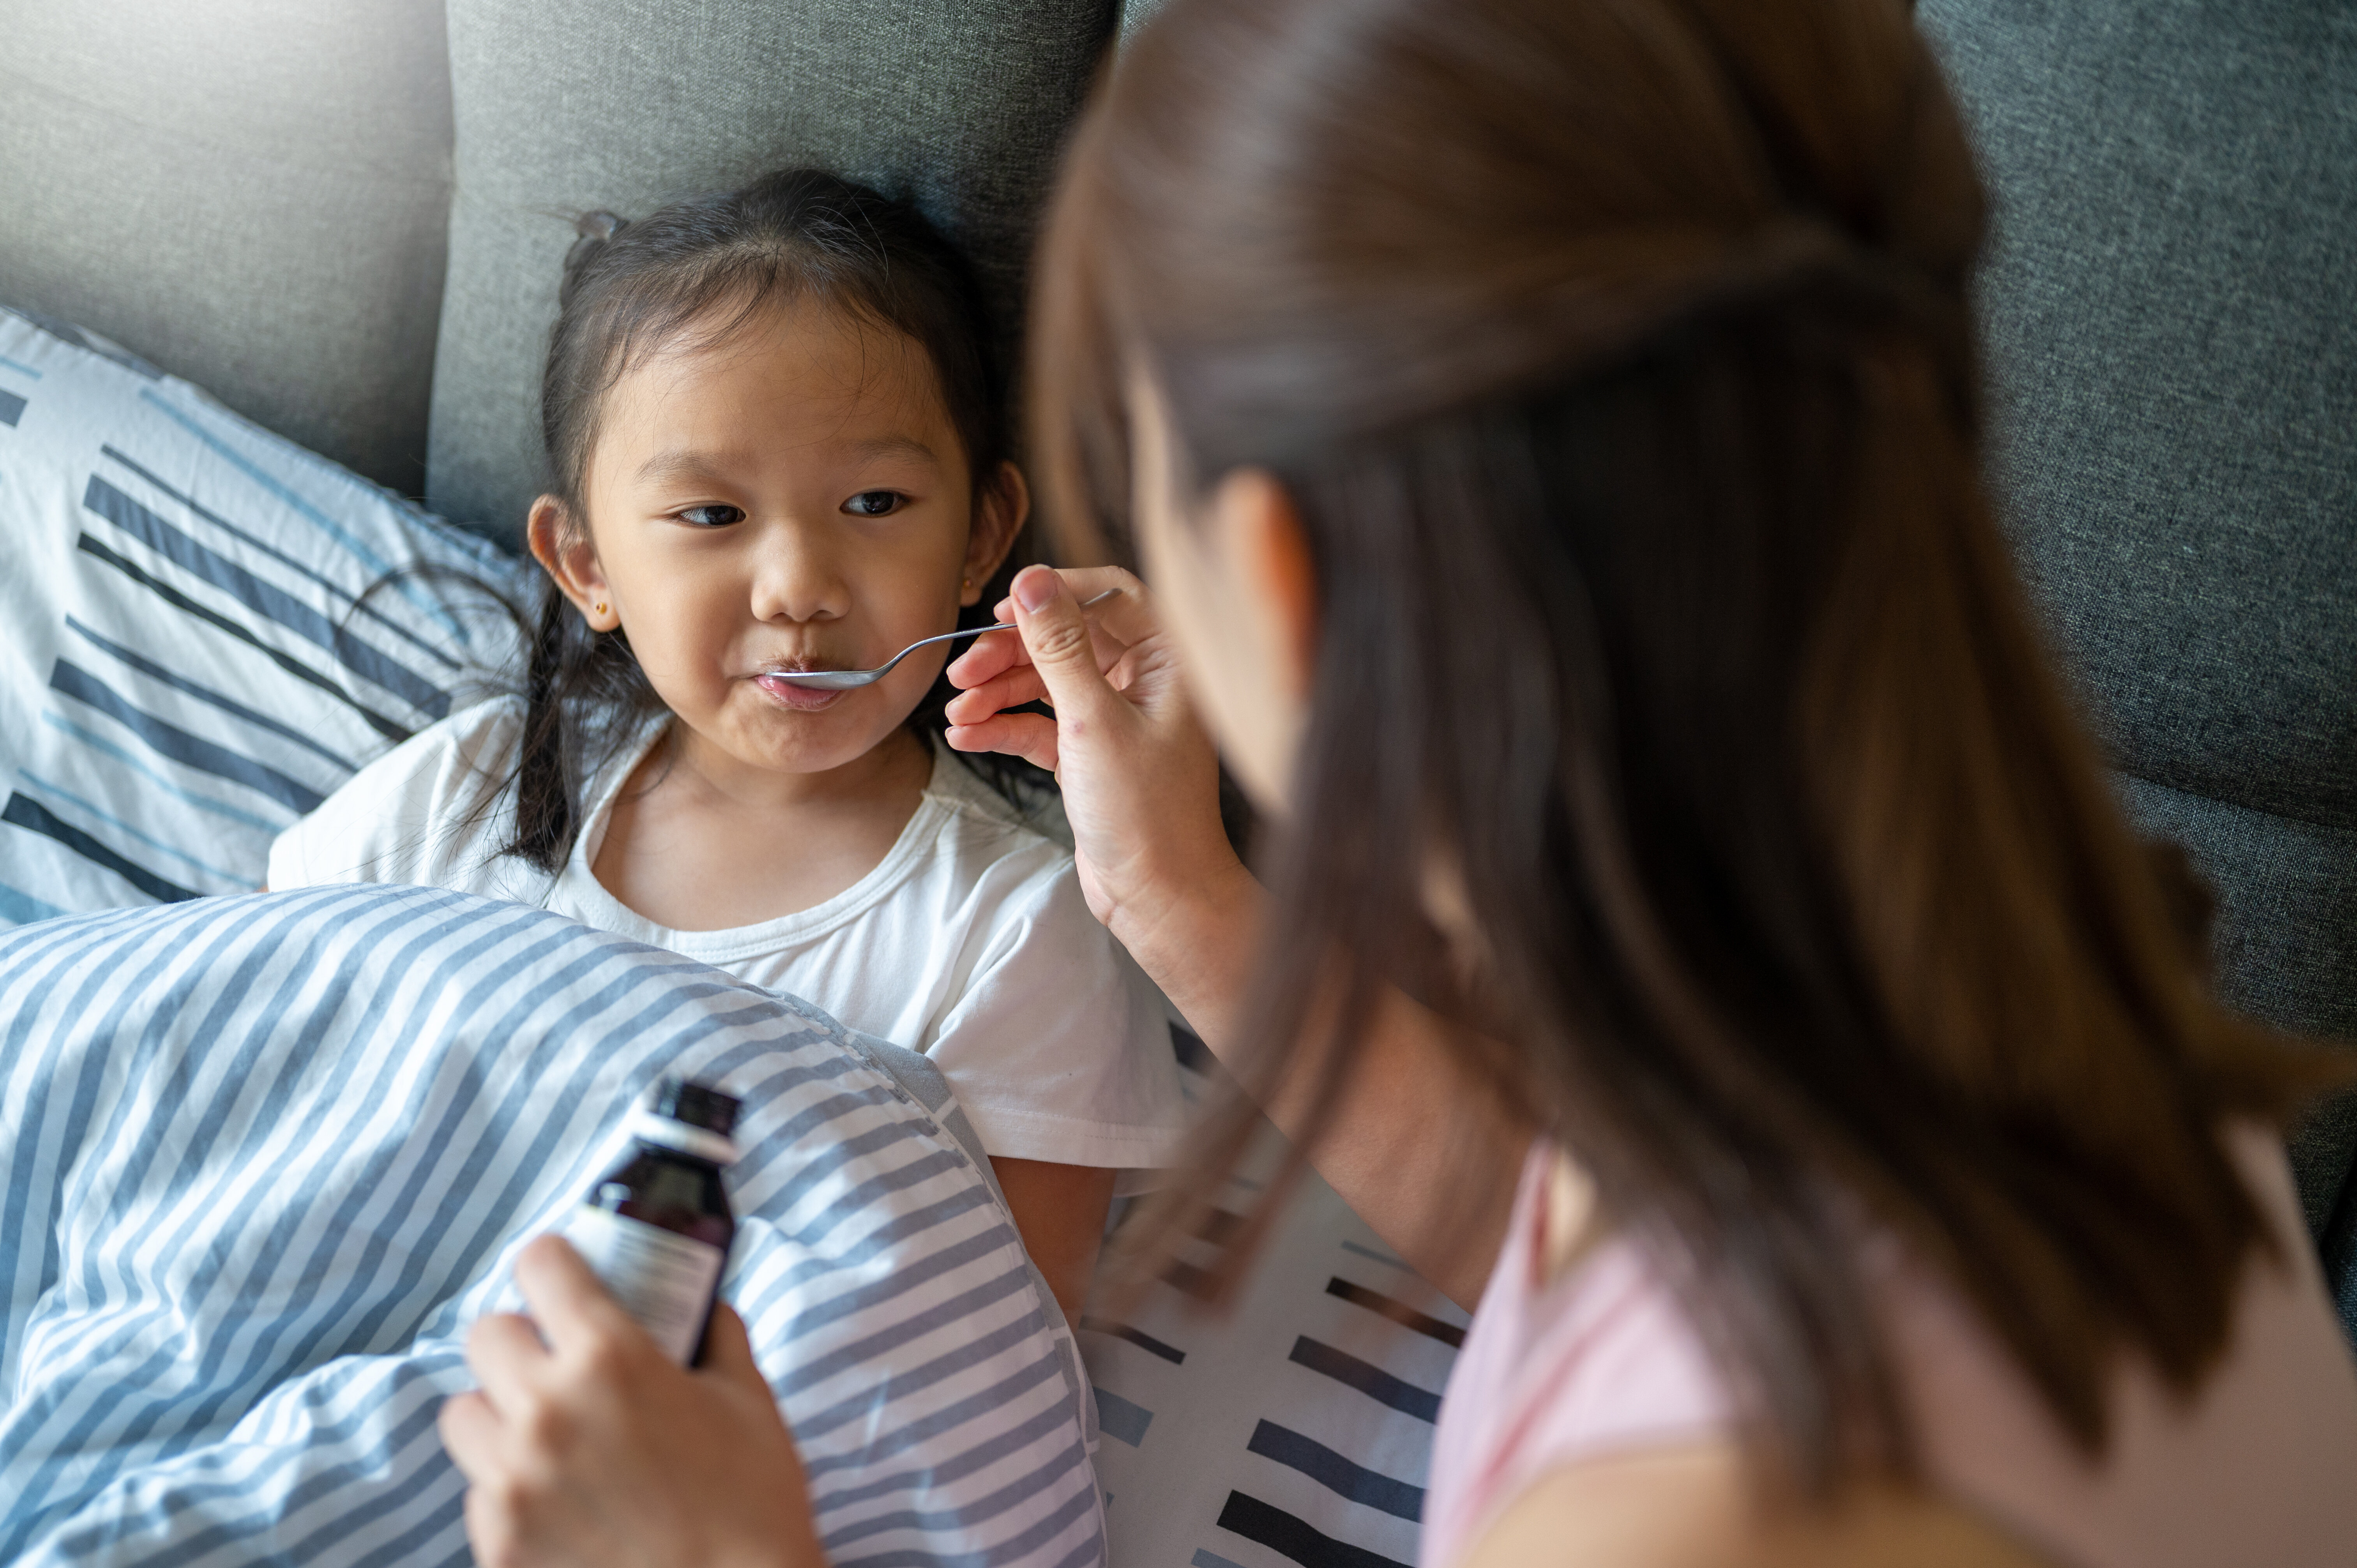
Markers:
<point>978,630</point>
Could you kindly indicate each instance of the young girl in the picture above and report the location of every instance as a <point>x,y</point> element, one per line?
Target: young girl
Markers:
<point>775,446</point>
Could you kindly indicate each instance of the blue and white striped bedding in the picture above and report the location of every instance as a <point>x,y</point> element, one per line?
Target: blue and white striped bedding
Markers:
<point>193,658</point>
<point>263,1159</point>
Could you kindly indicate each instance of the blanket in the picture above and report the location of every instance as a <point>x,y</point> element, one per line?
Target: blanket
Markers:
<point>263,1160</point>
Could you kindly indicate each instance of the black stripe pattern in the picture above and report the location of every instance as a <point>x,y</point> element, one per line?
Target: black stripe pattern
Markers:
<point>23,812</point>
<point>269,602</point>
<point>389,729</point>
<point>1398,1311</point>
<point>1289,1535</point>
<point>1301,1418</point>
<point>1137,1336</point>
<point>170,740</point>
<point>1337,1475</point>
<point>1367,1378</point>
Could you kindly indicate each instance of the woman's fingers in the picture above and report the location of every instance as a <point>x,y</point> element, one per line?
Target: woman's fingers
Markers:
<point>1031,737</point>
<point>575,1312</point>
<point>471,1430</point>
<point>1114,626</point>
<point>986,659</point>
<point>505,1353</point>
<point>1011,690</point>
<point>728,1352</point>
<point>609,1454</point>
<point>1128,618</point>
<point>1064,650</point>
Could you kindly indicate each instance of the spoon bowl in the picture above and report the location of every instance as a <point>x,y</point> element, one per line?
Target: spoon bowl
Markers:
<point>845,679</point>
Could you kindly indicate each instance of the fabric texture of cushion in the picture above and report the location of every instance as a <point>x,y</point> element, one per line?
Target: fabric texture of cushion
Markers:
<point>2172,357</point>
<point>254,195</point>
<point>266,1159</point>
<point>194,655</point>
<point>566,107</point>
<point>1294,1428</point>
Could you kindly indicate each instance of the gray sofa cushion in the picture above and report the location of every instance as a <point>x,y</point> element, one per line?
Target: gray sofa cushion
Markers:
<point>2287,949</point>
<point>251,196</point>
<point>2171,306</point>
<point>2171,319</point>
<point>563,105</point>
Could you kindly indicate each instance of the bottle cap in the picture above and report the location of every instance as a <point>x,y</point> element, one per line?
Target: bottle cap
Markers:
<point>697,1104</point>
<point>692,1118</point>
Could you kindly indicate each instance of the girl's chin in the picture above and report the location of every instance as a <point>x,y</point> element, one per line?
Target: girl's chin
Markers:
<point>797,699</point>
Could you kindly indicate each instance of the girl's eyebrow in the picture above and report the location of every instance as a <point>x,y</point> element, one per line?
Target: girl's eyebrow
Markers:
<point>670,466</point>
<point>894,447</point>
<point>685,464</point>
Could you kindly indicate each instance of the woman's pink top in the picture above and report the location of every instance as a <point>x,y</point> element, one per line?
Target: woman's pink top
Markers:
<point>2259,1470</point>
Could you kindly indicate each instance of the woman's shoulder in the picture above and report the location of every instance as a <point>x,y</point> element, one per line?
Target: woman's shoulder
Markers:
<point>427,811</point>
<point>1672,1507</point>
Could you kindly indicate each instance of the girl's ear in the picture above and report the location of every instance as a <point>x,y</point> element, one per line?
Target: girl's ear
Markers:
<point>571,563</point>
<point>1004,506</point>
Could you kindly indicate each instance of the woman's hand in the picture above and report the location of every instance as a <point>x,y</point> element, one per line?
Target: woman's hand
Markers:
<point>594,1448</point>
<point>1420,1148</point>
<point>1139,776</point>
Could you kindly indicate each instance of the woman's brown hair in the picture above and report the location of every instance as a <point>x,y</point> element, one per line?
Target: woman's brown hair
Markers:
<point>1616,357</point>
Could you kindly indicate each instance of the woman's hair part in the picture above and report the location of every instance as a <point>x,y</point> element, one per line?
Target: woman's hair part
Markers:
<point>696,275</point>
<point>1617,360</point>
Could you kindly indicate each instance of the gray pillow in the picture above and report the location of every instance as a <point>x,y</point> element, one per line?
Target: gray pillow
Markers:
<point>2170,304</point>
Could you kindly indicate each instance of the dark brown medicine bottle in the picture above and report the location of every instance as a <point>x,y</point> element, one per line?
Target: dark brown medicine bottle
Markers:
<point>656,1228</point>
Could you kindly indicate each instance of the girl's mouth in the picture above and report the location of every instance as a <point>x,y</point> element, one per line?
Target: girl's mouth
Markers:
<point>800,699</point>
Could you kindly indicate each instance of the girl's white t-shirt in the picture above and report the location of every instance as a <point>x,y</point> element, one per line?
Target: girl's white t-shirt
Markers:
<point>970,941</point>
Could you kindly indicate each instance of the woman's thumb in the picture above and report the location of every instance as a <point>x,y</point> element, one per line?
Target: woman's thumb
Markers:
<point>728,1349</point>
<point>1056,635</point>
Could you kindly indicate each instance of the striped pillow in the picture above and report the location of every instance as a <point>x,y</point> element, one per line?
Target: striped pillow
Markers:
<point>263,1160</point>
<point>1296,1431</point>
<point>193,656</point>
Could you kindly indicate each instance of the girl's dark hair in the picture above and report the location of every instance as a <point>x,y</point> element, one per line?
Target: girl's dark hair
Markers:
<point>1617,360</point>
<point>701,270</point>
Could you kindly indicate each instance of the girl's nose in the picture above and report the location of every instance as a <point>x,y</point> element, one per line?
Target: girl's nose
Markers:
<point>794,581</point>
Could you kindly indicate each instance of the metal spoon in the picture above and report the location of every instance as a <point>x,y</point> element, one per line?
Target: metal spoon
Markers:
<point>844,679</point>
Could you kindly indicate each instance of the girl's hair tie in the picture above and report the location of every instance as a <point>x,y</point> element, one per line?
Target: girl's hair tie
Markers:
<point>597,230</point>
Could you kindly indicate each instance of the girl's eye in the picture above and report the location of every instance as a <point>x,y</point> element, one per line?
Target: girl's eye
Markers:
<point>874,503</point>
<point>711,516</point>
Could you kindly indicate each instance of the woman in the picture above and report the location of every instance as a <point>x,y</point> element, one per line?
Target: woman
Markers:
<point>1551,431</point>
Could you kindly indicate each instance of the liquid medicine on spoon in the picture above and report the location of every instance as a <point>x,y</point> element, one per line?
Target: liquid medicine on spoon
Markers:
<point>656,1228</point>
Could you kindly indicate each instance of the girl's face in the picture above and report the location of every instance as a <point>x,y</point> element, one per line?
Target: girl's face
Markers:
<point>795,497</point>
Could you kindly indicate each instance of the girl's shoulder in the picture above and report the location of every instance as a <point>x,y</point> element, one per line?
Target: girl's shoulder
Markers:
<point>1022,809</point>
<point>1017,831</point>
<point>431,812</point>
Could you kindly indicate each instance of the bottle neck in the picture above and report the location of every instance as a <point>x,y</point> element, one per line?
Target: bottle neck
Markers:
<point>699,1143</point>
